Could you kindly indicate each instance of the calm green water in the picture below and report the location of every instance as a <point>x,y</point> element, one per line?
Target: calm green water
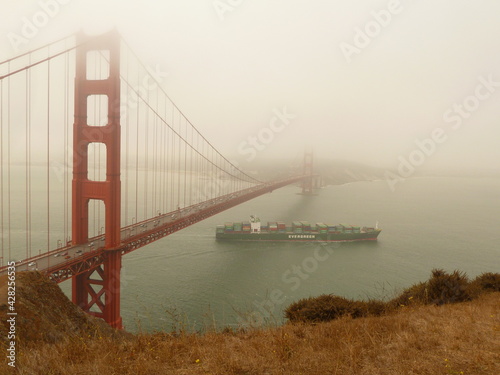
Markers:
<point>188,277</point>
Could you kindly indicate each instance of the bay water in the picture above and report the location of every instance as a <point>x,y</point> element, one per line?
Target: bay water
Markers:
<point>190,281</point>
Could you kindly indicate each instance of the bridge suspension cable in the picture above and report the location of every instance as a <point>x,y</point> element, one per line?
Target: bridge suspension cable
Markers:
<point>182,114</point>
<point>38,61</point>
<point>35,92</point>
<point>166,142</point>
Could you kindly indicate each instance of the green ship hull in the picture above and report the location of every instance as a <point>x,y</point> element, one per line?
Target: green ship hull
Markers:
<point>303,237</point>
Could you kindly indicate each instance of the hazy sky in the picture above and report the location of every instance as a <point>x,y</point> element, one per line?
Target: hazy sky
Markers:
<point>357,80</point>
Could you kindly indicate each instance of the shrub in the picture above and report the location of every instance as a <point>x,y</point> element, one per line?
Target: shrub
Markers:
<point>486,282</point>
<point>416,294</point>
<point>328,307</point>
<point>447,288</point>
<point>441,288</point>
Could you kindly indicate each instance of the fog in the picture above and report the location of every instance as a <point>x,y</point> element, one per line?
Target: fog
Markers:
<point>373,82</point>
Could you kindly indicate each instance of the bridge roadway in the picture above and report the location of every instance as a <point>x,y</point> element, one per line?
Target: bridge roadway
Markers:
<point>70,260</point>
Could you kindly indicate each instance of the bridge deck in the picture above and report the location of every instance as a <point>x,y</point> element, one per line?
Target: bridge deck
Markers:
<point>70,260</point>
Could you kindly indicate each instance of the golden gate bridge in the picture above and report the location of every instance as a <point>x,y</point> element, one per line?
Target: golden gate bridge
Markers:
<point>130,170</point>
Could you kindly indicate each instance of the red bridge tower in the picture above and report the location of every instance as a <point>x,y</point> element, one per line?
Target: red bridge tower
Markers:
<point>98,291</point>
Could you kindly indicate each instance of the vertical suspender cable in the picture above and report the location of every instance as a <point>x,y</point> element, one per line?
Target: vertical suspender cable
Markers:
<point>167,160</point>
<point>209,174</point>
<point>185,165</point>
<point>181,175</point>
<point>155,137</point>
<point>26,167</point>
<point>66,147</point>
<point>98,112</point>
<point>168,168</point>
<point>48,154</point>
<point>179,166</point>
<point>9,244</point>
<point>205,173</point>
<point>155,150</point>
<point>1,171</point>
<point>191,170</point>
<point>198,170</point>
<point>214,172</point>
<point>172,153</point>
<point>159,159</point>
<point>28,162</point>
<point>146,165</point>
<point>172,163</point>
<point>208,167</point>
<point>127,131</point>
<point>137,158</point>
<point>162,165</point>
<point>69,156</point>
<point>93,145</point>
<point>201,172</point>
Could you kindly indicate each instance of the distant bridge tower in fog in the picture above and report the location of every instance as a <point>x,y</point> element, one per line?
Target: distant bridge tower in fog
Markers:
<point>307,183</point>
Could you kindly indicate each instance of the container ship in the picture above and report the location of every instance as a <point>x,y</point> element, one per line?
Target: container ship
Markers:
<point>301,231</point>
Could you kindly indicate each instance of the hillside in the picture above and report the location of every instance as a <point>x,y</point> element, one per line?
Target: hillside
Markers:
<point>56,338</point>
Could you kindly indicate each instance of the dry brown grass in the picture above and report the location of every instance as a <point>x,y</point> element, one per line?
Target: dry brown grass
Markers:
<point>448,339</point>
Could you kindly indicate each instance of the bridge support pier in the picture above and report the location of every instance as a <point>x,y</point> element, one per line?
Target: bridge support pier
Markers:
<point>97,291</point>
<point>104,302</point>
